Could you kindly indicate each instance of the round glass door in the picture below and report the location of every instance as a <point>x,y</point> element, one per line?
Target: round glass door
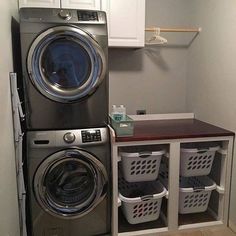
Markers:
<point>70,183</point>
<point>66,64</point>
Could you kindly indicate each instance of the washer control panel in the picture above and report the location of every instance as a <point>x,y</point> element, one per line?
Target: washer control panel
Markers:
<point>66,138</point>
<point>91,136</point>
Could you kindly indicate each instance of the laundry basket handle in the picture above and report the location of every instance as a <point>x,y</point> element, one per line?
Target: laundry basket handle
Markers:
<point>199,188</point>
<point>202,151</point>
<point>147,197</point>
<point>144,154</point>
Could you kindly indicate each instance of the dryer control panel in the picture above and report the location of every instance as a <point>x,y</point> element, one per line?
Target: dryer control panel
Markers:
<point>87,15</point>
<point>91,135</point>
<point>57,15</point>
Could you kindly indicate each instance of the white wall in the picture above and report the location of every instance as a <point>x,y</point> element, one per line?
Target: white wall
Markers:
<point>9,225</point>
<point>211,74</point>
<point>152,78</point>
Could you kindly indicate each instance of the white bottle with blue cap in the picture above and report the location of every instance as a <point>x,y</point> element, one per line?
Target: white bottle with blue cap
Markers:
<point>118,112</point>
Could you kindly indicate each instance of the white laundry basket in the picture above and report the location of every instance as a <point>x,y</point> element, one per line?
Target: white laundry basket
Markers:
<point>139,164</point>
<point>194,192</point>
<point>196,160</point>
<point>141,202</point>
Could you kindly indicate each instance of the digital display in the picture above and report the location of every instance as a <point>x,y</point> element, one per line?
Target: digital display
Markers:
<point>87,16</point>
<point>91,136</point>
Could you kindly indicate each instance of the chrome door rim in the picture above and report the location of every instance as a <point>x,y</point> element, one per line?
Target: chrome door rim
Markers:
<point>53,208</point>
<point>95,52</point>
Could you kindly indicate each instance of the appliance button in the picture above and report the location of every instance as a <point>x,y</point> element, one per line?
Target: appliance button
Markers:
<point>69,137</point>
<point>65,14</point>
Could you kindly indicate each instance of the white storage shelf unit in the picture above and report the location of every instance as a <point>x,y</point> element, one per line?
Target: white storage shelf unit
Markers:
<point>170,219</point>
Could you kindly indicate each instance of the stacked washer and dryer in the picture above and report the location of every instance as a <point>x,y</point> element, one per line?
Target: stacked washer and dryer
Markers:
<point>65,78</point>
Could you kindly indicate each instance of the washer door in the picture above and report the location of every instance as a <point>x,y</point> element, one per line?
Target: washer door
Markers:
<point>70,183</point>
<point>66,64</point>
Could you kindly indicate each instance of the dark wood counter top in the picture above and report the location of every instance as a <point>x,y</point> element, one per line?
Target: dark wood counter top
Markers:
<point>173,129</point>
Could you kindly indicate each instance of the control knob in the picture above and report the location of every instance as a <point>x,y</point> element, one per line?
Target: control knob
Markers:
<point>69,137</point>
<point>65,14</point>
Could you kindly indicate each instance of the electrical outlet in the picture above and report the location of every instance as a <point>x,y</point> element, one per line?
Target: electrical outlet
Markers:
<point>140,112</point>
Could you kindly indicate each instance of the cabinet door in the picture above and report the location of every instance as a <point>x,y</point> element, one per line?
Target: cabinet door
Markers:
<point>39,3</point>
<point>126,22</point>
<point>81,4</point>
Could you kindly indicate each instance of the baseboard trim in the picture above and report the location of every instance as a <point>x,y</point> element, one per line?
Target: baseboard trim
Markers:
<point>232,226</point>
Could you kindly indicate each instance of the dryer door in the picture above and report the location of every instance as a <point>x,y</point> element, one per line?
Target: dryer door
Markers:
<point>66,64</point>
<point>70,183</point>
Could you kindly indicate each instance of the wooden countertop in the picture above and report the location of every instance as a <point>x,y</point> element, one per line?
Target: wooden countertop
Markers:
<point>173,129</point>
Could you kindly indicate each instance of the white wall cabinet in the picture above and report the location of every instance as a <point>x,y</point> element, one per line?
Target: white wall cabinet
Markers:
<point>81,4</point>
<point>39,3</point>
<point>126,22</point>
<point>76,4</point>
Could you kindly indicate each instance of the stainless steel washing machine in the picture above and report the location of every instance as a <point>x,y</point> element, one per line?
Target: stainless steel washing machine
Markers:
<point>64,64</point>
<point>69,182</point>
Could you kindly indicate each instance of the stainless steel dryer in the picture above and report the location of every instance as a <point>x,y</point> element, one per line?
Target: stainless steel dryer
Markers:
<point>64,62</point>
<point>69,182</point>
